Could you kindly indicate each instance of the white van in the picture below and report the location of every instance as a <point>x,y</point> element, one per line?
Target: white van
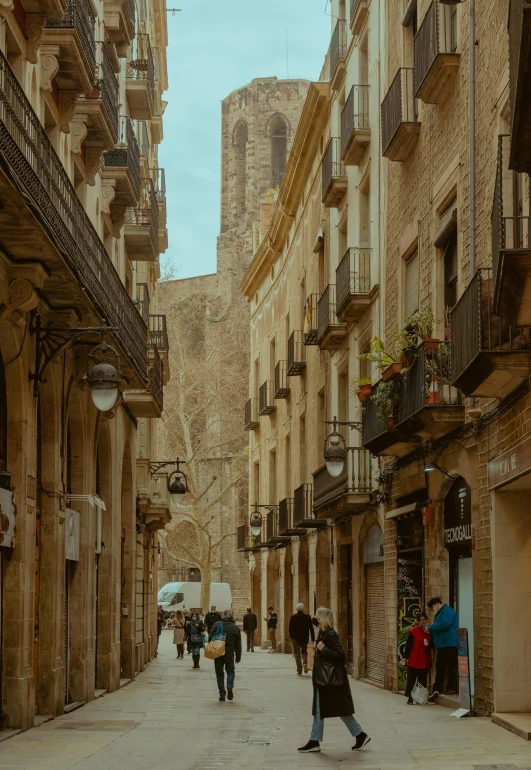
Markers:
<point>185,596</point>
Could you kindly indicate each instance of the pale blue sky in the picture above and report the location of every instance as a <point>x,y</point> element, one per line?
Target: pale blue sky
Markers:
<point>216,46</point>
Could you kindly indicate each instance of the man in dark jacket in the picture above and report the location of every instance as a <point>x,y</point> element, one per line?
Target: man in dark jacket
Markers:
<point>233,654</point>
<point>272,621</point>
<point>300,632</point>
<point>444,633</point>
<point>212,617</point>
<point>250,624</point>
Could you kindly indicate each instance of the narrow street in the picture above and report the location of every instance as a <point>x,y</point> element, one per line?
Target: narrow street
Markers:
<point>170,718</point>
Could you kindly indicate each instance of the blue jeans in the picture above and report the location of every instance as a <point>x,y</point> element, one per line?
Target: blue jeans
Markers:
<point>318,723</point>
<point>225,663</point>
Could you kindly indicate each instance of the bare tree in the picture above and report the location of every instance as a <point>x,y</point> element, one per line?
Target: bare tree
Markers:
<point>202,424</point>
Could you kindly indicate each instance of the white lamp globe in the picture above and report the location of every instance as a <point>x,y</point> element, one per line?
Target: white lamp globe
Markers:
<point>103,381</point>
<point>104,398</point>
<point>335,467</point>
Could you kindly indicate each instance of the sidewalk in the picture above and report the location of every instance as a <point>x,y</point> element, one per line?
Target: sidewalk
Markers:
<point>170,719</point>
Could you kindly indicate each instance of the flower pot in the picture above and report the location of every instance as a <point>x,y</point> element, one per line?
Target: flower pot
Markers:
<point>431,345</point>
<point>364,392</point>
<point>390,422</point>
<point>391,371</point>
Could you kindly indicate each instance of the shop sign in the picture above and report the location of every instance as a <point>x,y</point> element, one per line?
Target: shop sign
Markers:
<point>7,519</point>
<point>72,527</point>
<point>458,515</point>
<point>510,465</point>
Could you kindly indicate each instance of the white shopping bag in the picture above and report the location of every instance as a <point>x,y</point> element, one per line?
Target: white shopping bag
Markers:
<point>419,693</point>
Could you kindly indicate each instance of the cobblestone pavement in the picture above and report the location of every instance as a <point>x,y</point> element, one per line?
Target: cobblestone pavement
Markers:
<point>170,719</point>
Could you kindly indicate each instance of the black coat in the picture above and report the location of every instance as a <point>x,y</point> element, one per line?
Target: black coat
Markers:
<point>333,701</point>
<point>233,638</point>
<point>211,618</point>
<point>250,622</point>
<point>301,628</point>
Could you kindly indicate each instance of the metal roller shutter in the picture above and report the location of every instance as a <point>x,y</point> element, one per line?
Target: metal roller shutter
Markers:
<point>374,622</point>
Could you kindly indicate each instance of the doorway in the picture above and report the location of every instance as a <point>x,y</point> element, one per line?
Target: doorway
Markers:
<point>345,619</point>
<point>373,561</point>
<point>304,579</point>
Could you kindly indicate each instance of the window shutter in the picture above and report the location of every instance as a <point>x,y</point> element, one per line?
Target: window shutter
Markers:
<point>412,284</point>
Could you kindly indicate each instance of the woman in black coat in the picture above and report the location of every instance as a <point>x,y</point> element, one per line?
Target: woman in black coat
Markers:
<point>334,700</point>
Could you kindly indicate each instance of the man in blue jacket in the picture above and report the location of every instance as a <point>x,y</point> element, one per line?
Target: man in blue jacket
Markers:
<point>444,633</point>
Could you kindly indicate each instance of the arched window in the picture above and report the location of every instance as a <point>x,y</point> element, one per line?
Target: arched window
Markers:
<point>239,142</point>
<point>279,149</point>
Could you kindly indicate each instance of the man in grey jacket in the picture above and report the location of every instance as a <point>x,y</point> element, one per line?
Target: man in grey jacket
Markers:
<point>233,654</point>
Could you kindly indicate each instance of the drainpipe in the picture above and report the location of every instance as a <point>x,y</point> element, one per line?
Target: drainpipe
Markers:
<point>472,136</point>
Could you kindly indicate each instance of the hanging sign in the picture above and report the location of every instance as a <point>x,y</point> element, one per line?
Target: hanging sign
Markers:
<point>7,519</point>
<point>72,535</point>
<point>458,515</point>
<point>510,465</point>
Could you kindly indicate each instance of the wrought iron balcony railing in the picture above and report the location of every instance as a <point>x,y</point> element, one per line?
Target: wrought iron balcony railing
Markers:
<point>143,138</point>
<point>334,175</point>
<point>252,420</point>
<point>265,398</point>
<point>435,52</point>
<point>286,525</point>
<point>353,277</point>
<point>141,67</point>
<point>282,389</point>
<point>109,89</point>
<point>147,218</point>
<point>296,354</point>
<point>358,12</point>
<point>310,320</point>
<point>427,382</point>
<point>27,149</point>
<point>156,378</point>
<point>80,16</point>
<point>400,125</point>
<point>338,46</point>
<point>142,298</point>
<point>303,515</point>
<point>127,154</point>
<point>331,331</point>
<point>354,115</point>
<point>158,332</point>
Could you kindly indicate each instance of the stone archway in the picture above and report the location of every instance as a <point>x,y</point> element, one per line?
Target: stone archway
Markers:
<point>323,589</point>
<point>304,576</point>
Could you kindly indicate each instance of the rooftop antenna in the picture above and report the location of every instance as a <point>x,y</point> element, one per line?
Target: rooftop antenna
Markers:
<point>173,11</point>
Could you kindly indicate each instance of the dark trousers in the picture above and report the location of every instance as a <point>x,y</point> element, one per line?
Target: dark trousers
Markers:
<point>301,655</point>
<point>250,641</point>
<point>222,664</point>
<point>446,669</point>
<point>180,650</point>
<point>412,675</point>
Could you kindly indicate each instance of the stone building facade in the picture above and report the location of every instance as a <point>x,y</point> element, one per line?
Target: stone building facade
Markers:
<point>82,224</point>
<point>447,427</point>
<point>258,123</point>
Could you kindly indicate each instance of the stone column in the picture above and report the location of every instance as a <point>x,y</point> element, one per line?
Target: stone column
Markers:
<point>312,571</point>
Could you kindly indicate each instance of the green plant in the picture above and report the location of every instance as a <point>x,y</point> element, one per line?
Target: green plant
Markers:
<point>378,355</point>
<point>421,323</point>
<point>439,365</point>
<point>404,339</point>
<point>386,398</point>
<point>357,382</point>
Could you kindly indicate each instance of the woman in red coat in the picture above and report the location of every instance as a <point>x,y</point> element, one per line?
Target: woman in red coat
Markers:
<point>417,655</point>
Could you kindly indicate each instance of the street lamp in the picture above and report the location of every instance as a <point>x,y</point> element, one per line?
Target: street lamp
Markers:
<point>177,482</point>
<point>430,467</point>
<point>256,522</point>
<point>335,448</point>
<point>102,377</point>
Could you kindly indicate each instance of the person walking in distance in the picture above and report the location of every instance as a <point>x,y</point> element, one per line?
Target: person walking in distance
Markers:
<point>160,623</point>
<point>179,625</point>
<point>331,688</point>
<point>195,630</point>
<point>250,624</point>
<point>300,632</point>
<point>211,618</point>
<point>417,655</point>
<point>233,654</point>
<point>272,621</point>
<point>444,633</point>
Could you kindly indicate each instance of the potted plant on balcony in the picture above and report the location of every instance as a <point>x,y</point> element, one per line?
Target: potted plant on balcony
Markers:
<point>438,385</point>
<point>363,388</point>
<point>405,342</point>
<point>421,324</point>
<point>386,397</point>
<point>388,363</point>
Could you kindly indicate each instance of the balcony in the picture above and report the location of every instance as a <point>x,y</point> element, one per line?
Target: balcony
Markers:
<point>158,515</point>
<point>400,124</point>
<point>511,249</point>
<point>98,110</point>
<point>71,42</point>
<point>120,23</point>
<point>310,320</point>
<point>142,227</point>
<point>303,514</point>
<point>331,332</point>
<point>282,389</point>
<point>519,84</point>
<point>334,176</point>
<point>143,146</point>
<point>435,54</point>
<point>348,492</point>
<point>285,519</point>
<point>158,332</point>
<point>159,184</point>
<point>121,169</point>
<point>62,235</point>
<point>252,421</point>
<point>142,300</point>
<point>490,357</point>
<point>296,354</point>
<point>140,79</point>
<point>355,126</point>
<point>358,14</point>
<point>265,399</point>
<point>149,402</point>
<point>338,53</point>
<point>381,437</point>
<point>247,541</point>
<point>273,536</point>
<point>430,407</point>
<point>353,281</point>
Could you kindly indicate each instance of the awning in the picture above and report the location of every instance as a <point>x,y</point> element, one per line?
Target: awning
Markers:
<point>411,508</point>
